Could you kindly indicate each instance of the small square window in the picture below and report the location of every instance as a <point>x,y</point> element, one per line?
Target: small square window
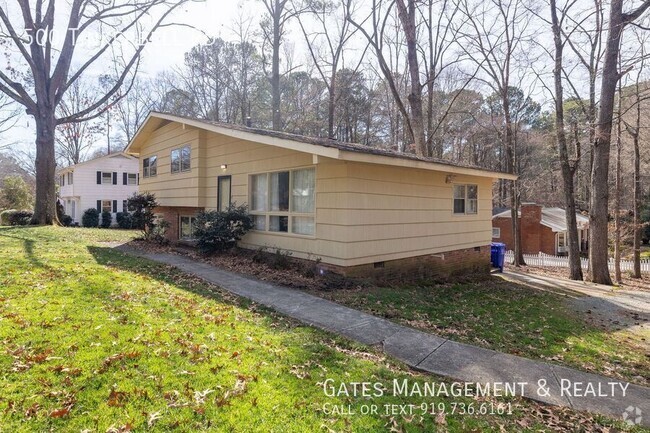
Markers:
<point>149,166</point>
<point>181,159</point>
<point>302,225</point>
<point>107,206</point>
<point>466,199</point>
<point>132,179</point>
<point>496,232</point>
<point>187,227</point>
<point>279,223</point>
<point>259,222</point>
<point>107,178</point>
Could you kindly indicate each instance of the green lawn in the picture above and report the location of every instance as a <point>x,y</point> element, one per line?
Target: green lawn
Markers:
<point>509,318</point>
<point>94,340</point>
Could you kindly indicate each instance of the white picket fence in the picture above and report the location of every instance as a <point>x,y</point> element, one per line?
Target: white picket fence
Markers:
<point>546,260</point>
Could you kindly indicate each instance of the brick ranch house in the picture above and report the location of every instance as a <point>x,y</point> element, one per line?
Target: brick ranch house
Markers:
<point>543,229</point>
<point>359,210</point>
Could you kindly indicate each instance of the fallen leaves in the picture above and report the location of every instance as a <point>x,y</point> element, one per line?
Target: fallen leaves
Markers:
<point>116,358</point>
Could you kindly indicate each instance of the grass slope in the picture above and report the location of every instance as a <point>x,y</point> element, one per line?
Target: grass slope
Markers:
<point>94,340</point>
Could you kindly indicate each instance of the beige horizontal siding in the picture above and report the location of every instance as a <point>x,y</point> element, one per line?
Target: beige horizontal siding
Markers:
<point>364,212</point>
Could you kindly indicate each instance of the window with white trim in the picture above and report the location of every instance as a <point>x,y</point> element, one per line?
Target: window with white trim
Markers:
<point>107,206</point>
<point>496,232</point>
<point>465,199</point>
<point>107,178</point>
<point>131,179</point>
<point>150,166</point>
<point>284,201</point>
<point>70,178</point>
<point>187,227</point>
<point>181,159</point>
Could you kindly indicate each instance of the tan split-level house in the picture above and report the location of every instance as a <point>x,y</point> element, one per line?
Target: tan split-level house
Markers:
<point>360,210</point>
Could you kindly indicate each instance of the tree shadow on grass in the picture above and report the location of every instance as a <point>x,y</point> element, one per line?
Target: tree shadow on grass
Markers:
<point>518,315</point>
<point>28,246</point>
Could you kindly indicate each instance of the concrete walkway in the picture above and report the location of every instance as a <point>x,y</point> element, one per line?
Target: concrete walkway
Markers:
<point>427,352</point>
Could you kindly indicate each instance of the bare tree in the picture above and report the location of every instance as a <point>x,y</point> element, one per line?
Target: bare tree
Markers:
<point>8,117</point>
<point>133,109</point>
<point>46,77</point>
<point>326,46</point>
<point>493,37</point>
<point>273,31</point>
<point>632,99</point>
<point>568,167</point>
<point>617,189</point>
<point>74,140</point>
<point>599,200</point>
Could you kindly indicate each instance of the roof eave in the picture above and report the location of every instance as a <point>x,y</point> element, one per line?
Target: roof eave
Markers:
<point>287,143</point>
<point>425,165</point>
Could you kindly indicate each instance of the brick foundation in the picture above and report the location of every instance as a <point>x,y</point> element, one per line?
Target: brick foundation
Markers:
<point>444,265</point>
<point>172,216</point>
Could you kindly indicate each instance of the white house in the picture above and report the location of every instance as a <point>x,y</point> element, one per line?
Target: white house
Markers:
<point>103,183</point>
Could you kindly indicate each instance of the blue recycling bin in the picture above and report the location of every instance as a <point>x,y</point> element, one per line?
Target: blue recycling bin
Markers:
<point>498,255</point>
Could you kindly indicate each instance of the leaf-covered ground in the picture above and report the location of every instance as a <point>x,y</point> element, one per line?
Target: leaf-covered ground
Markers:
<point>94,340</point>
<point>510,318</point>
<point>488,312</point>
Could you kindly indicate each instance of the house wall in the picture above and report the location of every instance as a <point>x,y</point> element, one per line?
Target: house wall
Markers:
<point>365,213</point>
<point>536,237</point>
<point>85,190</point>
<point>387,213</point>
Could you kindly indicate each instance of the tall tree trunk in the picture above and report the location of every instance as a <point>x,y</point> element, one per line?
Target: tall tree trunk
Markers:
<point>617,196</point>
<point>275,70</point>
<point>637,210</point>
<point>599,200</point>
<point>331,103</point>
<point>407,18</point>
<point>511,152</point>
<point>45,207</point>
<point>575,268</point>
<point>637,188</point>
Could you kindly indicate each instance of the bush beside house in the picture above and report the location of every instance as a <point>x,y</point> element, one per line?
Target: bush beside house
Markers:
<point>107,220</point>
<point>90,218</point>
<point>219,231</point>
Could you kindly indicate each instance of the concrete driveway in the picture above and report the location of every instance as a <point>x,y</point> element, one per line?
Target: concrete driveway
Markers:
<point>614,308</point>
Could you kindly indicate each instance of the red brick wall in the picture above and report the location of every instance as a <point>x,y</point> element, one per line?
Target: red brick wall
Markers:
<point>505,225</point>
<point>531,218</point>
<point>535,237</point>
<point>547,244</point>
<point>172,216</point>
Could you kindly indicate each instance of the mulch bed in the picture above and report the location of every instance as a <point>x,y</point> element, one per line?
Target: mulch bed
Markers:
<point>263,265</point>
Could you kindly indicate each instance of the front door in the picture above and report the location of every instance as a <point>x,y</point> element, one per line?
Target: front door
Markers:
<point>224,190</point>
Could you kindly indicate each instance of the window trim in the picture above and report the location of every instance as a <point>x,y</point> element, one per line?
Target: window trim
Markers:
<point>289,213</point>
<point>180,227</point>
<point>128,179</point>
<point>146,170</point>
<point>180,162</point>
<point>496,230</point>
<point>70,178</point>
<point>465,199</point>
<point>110,182</point>
<point>219,192</point>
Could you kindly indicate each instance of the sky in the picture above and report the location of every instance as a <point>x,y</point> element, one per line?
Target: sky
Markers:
<point>214,18</point>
